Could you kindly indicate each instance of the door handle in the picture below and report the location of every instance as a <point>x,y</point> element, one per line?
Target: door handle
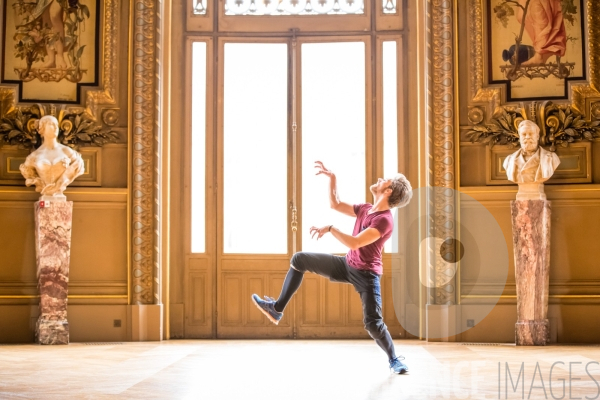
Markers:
<point>294,218</point>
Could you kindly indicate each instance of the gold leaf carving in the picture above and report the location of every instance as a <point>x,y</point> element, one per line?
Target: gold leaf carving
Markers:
<point>559,126</point>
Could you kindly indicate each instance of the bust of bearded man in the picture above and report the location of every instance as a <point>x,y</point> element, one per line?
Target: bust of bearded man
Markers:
<point>531,165</point>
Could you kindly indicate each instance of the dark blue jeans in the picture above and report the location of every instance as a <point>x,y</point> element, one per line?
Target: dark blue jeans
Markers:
<point>366,283</point>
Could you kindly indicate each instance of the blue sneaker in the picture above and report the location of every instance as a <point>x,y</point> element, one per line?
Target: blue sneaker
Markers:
<point>397,366</point>
<point>267,307</point>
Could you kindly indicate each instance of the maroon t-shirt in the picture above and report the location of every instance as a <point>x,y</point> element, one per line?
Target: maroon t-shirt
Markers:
<point>369,257</point>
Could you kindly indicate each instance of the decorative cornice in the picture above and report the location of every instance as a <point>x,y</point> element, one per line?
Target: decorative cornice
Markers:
<point>443,139</point>
<point>144,104</point>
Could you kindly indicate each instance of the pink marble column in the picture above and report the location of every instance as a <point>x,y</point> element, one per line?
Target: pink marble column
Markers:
<point>531,240</point>
<point>53,247</point>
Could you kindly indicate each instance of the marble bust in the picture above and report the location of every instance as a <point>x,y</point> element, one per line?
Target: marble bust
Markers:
<point>531,165</point>
<point>53,166</point>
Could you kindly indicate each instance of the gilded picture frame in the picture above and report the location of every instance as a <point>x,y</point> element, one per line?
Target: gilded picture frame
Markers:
<point>535,47</point>
<point>485,95</point>
<point>50,48</point>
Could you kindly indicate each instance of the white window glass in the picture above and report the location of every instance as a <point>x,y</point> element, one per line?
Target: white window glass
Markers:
<point>333,131</point>
<point>199,7</point>
<point>198,201</point>
<point>255,204</point>
<point>389,6</point>
<point>390,119</point>
<point>294,7</point>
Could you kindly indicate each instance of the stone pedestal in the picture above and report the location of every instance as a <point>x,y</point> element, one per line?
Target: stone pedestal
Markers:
<point>531,243</point>
<point>53,246</point>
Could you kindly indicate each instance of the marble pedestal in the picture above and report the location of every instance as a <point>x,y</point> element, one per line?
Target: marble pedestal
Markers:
<point>531,243</point>
<point>53,246</point>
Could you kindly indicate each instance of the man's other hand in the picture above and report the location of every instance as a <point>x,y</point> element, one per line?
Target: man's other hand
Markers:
<point>319,232</point>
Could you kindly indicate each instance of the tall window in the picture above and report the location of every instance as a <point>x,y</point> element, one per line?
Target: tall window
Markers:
<point>255,148</point>
<point>390,117</point>
<point>283,99</point>
<point>198,140</point>
<point>333,131</point>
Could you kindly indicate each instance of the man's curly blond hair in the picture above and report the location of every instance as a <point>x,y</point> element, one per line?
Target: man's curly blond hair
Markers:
<point>401,192</point>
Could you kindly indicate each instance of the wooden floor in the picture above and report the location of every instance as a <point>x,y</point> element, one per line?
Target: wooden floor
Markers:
<point>284,369</point>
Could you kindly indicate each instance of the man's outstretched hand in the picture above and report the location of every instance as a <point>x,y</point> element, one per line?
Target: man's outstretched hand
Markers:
<point>321,170</point>
<point>319,232</point>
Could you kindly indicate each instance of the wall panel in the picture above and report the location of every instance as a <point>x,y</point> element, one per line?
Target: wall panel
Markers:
<point>334,304</point>
<point>198,292</point>
<point>310,309</point>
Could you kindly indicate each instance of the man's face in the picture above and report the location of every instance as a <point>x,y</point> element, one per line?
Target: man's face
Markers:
<point>380,186</point>
<point>529,138</point>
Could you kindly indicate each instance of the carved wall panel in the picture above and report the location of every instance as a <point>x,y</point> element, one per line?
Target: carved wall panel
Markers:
<point>143,120</point>
<point>442,148</point>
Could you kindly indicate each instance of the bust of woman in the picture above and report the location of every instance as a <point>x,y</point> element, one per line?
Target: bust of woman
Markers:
<point>53,166</point>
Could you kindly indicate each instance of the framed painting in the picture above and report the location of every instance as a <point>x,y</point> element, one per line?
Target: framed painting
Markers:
<point>50,48</point>
<point>535,47</point>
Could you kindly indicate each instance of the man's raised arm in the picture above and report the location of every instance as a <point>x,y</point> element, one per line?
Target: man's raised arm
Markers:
<point>334,201</point>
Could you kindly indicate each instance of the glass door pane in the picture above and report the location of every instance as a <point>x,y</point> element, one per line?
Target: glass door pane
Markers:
<point>198,184</point>
<point>333,131</point>
<point>390,119</point>
<point>255,205</point>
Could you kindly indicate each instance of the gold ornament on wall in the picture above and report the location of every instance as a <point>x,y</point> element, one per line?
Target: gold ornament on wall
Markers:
<point>501,129</point>
<point>560,125</point>
<point>19,127</point>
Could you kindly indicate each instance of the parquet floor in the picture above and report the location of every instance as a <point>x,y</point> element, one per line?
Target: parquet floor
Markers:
<point>300,369</point>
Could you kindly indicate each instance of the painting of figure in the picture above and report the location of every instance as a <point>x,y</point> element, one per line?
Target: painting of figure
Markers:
<point>50,47</point>
<point>545,26</point>
<point>536,46</point>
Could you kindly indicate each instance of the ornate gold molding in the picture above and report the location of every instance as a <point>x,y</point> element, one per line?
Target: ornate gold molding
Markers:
<point>106,95</point>
<point>581,94</point>
<point>479,93</point>
<point>442,149</point>
<point>143,119</point>
<point>7,100</point>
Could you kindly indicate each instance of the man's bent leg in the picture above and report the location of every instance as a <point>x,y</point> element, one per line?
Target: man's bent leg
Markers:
<point>292,282</point>
<point>326,265</point>
<point>332,267</point>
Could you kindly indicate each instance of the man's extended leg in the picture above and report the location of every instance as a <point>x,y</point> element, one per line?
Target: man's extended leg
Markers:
<point>370,295</point>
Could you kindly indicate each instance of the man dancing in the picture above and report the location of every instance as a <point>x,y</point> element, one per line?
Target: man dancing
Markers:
<point>361,267</point>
